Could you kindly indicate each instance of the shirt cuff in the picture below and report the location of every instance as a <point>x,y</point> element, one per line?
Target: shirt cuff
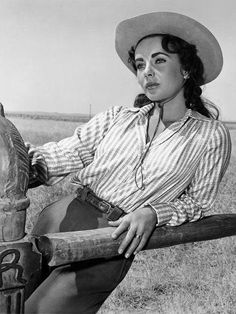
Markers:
<point>164,212</point>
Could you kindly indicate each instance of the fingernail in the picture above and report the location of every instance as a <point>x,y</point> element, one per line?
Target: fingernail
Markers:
<point>113,235</point>
<point>120,251</point>
<point>126,255</point>
<point>135,252</point>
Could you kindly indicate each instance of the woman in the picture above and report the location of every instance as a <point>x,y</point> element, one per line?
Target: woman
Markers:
<point>158,163</point>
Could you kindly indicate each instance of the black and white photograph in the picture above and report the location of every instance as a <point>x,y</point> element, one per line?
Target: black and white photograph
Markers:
<point>117,157</point>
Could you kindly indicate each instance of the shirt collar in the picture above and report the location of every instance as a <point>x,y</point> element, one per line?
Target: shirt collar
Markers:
<point>198,116</point>
<point>188,114</point>
<point>143,110</point>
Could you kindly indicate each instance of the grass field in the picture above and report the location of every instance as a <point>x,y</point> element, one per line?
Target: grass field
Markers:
<point>189,278</point>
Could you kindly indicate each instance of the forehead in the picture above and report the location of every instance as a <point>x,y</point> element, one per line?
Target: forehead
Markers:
<point>149,45</point>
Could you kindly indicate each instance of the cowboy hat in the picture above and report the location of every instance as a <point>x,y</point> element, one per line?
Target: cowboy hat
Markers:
<point>130,32</point>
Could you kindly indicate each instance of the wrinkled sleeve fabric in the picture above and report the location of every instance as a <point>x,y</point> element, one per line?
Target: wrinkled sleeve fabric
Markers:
<point>201,193</point>
<point>55,160</point>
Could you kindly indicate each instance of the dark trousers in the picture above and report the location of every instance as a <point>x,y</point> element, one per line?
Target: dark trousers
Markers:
<point>80,287</point>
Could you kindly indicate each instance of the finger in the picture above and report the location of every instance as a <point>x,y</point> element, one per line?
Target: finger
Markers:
<point>115,223</point>
<point>35,156</point>
<point>134,244</point>
<point>141,244</point>
<point>127,240</point>
<point>27,145</point>
<point>123,226</point>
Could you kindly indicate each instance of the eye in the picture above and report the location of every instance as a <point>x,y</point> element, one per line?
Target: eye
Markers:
<point>140,66</point>
<point>160,60</point>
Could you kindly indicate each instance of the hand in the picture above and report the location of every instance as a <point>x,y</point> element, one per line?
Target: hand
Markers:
<point>31,153</point>
<point>34,179</point>
<point>140,224</point>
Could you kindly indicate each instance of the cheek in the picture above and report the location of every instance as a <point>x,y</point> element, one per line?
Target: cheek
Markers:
<point>174,75</point>
<point>140,79</point>
<point>176,72</point>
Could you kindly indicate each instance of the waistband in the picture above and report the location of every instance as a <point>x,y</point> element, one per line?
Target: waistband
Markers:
<point>87,195</point>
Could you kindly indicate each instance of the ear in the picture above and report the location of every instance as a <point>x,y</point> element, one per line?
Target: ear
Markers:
<point>185,74</point>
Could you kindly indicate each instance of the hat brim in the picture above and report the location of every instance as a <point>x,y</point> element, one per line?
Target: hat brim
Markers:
<point>130,31</point>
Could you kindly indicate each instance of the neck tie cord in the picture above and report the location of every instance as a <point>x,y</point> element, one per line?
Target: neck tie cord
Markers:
<point>140,163</point>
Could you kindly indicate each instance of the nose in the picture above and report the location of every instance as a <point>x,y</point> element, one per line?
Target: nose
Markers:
<point>149,71</point>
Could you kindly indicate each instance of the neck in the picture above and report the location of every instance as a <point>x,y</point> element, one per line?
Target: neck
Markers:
<point>173,110</point>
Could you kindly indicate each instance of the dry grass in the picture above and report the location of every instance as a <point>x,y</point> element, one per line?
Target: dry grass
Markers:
<point>42,130</point>
<point>190,278</point>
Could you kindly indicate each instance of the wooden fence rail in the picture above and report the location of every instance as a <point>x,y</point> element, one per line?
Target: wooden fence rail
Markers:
<point>69,247</point>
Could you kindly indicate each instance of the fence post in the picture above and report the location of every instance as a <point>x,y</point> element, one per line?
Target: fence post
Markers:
<point>18,263</point>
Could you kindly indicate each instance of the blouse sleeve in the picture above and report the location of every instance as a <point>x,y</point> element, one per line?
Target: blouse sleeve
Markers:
<point>53,161</point>
<point>200,195</point>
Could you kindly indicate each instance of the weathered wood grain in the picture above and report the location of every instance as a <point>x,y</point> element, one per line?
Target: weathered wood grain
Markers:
<point>20,274</point>
<point>14,177</point>
<point>63,248</point>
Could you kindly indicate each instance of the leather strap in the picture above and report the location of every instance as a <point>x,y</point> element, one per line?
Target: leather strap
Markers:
<point>112,212</point>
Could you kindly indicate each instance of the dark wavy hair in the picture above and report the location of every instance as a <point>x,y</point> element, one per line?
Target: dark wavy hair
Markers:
<point>192,64</point>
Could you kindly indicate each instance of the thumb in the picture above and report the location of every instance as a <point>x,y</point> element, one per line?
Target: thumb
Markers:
<point>115,223</point>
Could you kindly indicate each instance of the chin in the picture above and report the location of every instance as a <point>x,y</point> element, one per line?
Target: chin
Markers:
<point>153,97</point>
<point>157,96</point>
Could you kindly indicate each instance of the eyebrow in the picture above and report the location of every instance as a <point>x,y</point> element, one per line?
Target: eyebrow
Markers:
<point>155,54</point>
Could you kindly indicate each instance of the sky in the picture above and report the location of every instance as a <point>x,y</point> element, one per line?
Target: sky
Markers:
<point>59,55</point>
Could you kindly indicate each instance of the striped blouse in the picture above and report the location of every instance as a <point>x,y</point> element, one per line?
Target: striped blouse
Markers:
<point>179,176</point>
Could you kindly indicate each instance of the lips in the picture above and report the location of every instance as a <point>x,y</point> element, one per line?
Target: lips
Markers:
<point>151,85</point>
